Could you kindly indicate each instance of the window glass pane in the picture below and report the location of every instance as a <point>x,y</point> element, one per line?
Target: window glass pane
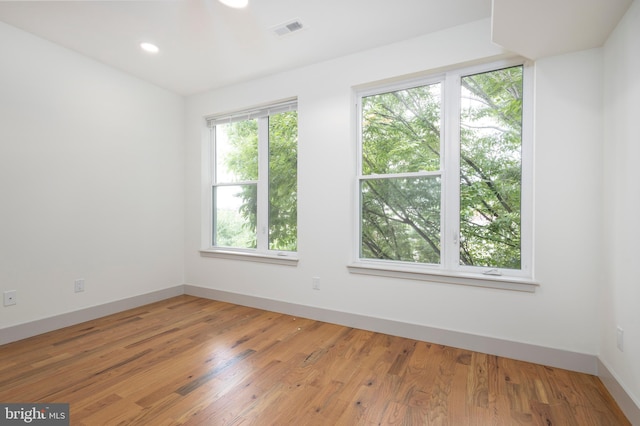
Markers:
<point>235,216</point>
<point>490,168</point>
<point>283,181</point>
<point>237,151</point>
<point>401,131</point>
<point>401,219</point>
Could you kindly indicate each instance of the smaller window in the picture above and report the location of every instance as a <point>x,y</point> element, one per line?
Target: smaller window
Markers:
<point>254,180</point>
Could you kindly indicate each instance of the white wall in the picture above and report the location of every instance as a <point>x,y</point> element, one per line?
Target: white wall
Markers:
<point>91,181</point>
<point>620,296</point>
<point>561,314</point>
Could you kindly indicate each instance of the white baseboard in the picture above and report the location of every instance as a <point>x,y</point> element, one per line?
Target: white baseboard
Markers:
<point>33,328</point>
<point>629,407</point>
<point>574,361</point>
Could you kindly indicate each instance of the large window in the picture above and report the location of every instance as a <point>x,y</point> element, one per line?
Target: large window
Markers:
<point>444,174</point>
<point>254,180</point>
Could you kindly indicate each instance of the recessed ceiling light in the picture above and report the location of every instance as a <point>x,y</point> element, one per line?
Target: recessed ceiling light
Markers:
<point>236,4</point>
<point>149,47</point>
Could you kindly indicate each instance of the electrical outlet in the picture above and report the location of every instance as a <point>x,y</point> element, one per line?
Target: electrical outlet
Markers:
<point>10,298</point>
<point>315,283</point>
<point>78,285</point>
<point>620,339</point>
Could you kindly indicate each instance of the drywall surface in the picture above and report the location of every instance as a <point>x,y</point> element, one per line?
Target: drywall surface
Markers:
<point>620,295</point>
<point>560,314</point>
<point>91,181</point>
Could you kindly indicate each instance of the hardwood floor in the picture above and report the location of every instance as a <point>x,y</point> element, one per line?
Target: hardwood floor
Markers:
<point>196,361</point>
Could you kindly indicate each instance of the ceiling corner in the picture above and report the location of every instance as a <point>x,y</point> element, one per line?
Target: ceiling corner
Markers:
<point>536,29</point>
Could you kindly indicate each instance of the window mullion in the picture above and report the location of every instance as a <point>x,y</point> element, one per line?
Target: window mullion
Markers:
<point>262,222</point>
<point>451,175</point>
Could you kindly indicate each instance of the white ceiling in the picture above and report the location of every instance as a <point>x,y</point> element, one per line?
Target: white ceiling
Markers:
<point>541,28</point>
<point>206,45</point>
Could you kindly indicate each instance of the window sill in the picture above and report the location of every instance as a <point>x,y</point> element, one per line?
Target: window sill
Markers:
<point>422,274</point>
<point>275,259</point>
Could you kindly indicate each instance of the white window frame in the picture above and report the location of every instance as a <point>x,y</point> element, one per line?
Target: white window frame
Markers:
<point>449,270</point>
<point>262,253</point>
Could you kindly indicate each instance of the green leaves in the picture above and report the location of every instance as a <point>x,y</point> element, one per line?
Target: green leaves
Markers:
<point>401,136</point>
<point>237,151</point>
<point>239,161</point>
<point>402,174</point>
<point>401,131</point>
<point>401,219</point>
<point>491,169</point>
<point>283,181</point>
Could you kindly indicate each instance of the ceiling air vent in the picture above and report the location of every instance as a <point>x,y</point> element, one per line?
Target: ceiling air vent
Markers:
<point>287,27</point>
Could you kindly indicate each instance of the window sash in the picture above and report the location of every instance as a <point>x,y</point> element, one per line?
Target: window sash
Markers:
<point>217,240</point>
<point>393,216</point>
